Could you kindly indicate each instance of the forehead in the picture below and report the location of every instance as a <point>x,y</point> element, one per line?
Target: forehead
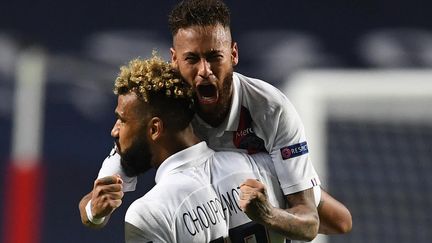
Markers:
<point>127,104</point>
<point>202,38</point>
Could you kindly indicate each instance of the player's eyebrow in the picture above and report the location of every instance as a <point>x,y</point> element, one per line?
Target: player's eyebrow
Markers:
<point>212,52</point>
<point>189,53</point>
<point>117,115</point>
<point>208,53</point>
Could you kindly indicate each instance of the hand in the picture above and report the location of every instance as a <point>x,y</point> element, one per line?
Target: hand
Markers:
<point>106,196</point>
<point>254,201</point>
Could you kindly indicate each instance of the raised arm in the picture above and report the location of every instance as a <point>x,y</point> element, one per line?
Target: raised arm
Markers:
<point>105,197</point>
<point>299,222</point>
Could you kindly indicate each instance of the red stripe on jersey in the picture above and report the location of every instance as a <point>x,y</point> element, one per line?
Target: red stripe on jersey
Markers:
<point>23,204</point>
<point>245,137</point>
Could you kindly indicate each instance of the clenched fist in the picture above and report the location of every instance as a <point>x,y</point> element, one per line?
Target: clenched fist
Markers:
<point>254,201</point>
<point>106,195</point>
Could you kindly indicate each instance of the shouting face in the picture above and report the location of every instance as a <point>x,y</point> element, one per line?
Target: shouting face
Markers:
<point>205,57</point>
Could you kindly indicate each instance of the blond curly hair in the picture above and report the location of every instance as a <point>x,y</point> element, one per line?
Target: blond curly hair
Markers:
<point>161,87</point>
<point>147,76</point>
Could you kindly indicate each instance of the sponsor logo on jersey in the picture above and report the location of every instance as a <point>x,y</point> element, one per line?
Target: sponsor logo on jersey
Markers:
<point>294,150</point>
<point>245,137</point>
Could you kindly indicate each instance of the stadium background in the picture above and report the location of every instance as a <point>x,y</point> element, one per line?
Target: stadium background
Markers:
<point>380,171</point>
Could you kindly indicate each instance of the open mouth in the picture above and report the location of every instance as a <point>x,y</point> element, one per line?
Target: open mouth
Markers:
<point>207,93</point>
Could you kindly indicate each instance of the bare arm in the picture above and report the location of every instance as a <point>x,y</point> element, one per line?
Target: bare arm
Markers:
<point>299,222</point>
<point>105,198</point>
<point>334,217</point>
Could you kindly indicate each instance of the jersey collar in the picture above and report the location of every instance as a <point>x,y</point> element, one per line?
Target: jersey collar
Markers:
<point>234,114</point>
<point>192,156</point>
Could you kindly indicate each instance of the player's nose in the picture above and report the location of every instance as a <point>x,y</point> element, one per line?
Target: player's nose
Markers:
<point>115,130</point>
<point>204,69</point>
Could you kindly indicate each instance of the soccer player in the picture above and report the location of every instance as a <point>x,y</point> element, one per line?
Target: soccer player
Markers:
<point>235,112</point>
<point>153,129</point>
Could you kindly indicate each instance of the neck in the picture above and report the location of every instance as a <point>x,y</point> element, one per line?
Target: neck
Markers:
<point>174,143</point>
<point>212,117</point>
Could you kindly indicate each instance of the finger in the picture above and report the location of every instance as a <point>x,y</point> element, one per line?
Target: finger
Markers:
<point>117,195</point>
<point>115,203</point>
<point>106,202</point>
<point>119,179</point>
<point>111,196</point>
<point>100,192</point>
<point>253,183</point>
<point>246,191</point>
<point>244,187</point>
<point>108,180</point>
<point>110,188</point>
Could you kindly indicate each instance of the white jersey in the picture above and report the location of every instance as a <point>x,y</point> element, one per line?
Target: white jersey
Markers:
<point>196,198</point>
<point>182,206</point>
<point>112,166</point>
<point>261,119</point>
<point>228,171</point>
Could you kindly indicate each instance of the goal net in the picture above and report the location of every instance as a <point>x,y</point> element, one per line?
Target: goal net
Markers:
<point>370,137</point>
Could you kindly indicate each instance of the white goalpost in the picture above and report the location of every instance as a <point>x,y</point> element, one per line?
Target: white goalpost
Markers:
<point>374,96</point>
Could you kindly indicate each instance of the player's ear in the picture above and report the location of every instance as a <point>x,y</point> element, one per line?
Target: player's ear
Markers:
<point>234,53</point>
<point>174,60</point>
<point>155,128</point>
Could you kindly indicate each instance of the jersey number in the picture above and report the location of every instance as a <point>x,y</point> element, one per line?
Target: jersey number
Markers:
<point>246,233</point>
<point>249,233</point>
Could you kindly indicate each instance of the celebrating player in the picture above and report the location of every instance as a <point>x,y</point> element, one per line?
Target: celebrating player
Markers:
<point>153,129</point>
<point>235,112</point>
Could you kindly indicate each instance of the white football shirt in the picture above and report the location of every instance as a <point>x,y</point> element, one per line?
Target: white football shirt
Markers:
<point>182,206</point>
<point>261,119</point>
<point>196,198</point>
<point>228,171</point>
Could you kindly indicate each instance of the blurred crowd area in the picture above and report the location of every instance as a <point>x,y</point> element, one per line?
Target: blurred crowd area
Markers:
<point>86,43</point>
<point>271,55</point>
<point>83,45</point>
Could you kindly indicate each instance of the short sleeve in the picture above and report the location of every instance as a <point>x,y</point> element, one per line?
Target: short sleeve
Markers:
<point>276,121</point>
<point>289,151</point>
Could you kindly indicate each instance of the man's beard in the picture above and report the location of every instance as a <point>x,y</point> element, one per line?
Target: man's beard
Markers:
<point>217,115</point>
<point>137,159</point>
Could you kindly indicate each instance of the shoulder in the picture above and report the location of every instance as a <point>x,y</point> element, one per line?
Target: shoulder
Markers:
<point>148,204</point>
<point>236,161</point>
<point>260,96</point>
<point>153,205</point>
<point>227,162</point>
<point>264,162</point>
<point>259,88</point>
<point>147,220</point>
<point>265,102</point>
<point>229,156</point>
<point>146,214</point>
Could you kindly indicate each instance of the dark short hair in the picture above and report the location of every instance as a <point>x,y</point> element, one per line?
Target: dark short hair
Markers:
<point>198,12</point>
<point>160,86</point>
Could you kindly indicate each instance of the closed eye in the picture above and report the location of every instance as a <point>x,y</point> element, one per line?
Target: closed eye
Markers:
<point>191,59</point>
